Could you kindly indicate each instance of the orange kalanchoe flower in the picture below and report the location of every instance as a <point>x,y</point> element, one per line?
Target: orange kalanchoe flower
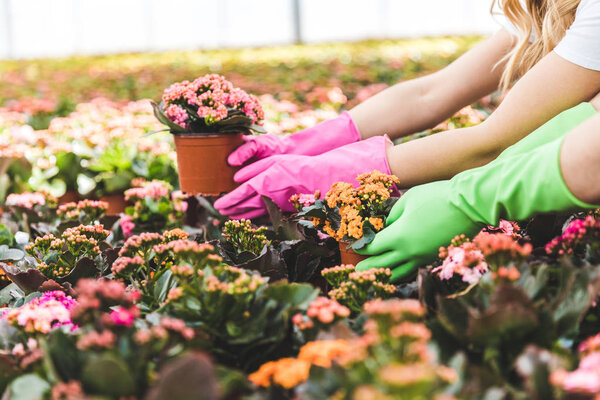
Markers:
<point>323,352</point>
<point>285,372</point>
<point>290,372</point>
<point>357,205</point>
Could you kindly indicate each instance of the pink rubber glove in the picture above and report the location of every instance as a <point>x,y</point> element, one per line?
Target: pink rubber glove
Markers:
<point>290,174</point>
<point>327,135</point>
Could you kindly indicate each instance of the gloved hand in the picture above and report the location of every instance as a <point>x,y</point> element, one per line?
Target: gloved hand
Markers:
<point>291,174</point>
<point>321,138</point>
<point>429,216</point>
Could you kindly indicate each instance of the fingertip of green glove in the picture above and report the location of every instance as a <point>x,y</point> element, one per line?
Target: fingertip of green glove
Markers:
<point>404,271</point>
<point>396,212</point>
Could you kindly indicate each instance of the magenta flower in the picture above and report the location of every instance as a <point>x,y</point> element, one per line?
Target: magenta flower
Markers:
<point>127,225</point>
<point>122,316</point>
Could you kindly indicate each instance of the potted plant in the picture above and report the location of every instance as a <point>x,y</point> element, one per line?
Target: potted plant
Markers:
<point>207,118</point>
<point>351,215</point>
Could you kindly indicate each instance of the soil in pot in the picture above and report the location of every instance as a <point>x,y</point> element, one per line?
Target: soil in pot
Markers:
<point>202,163</point>
<point>349,256</point>
<point>116,203</point>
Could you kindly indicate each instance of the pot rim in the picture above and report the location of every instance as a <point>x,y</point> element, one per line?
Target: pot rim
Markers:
<point>209,134</point>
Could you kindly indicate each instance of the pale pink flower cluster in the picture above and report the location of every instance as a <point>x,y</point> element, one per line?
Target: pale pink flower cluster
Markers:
<point>210,97</point>
<point>26,200</point>
<point>304,199</point>
<point>96,340</point>
<point>161,331</point>
<point>20,350</point>
<point>178,115</point>
<point>139,243</point>
<point>585,380</point>
<point>126,264</point>
<point>397,308</point>
<point>179,203</point>
<point>154,189</point>
<point>465,261</point>
<point>42,314</point>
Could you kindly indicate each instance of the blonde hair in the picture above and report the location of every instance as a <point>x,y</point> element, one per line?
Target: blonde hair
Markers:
<point>547,20</point>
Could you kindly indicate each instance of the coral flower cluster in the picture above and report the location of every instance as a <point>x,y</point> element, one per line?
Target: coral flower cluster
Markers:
<point>209,98</point>
<point>86,211</point>
<point>469,261</point>
<point>320,313</point>
<point>153,190</point>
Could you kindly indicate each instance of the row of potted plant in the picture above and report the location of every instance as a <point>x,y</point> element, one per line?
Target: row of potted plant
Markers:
<point>270,311</point>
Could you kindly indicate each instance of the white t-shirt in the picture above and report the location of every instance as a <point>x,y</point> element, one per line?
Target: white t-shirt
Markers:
<point>581,43</point>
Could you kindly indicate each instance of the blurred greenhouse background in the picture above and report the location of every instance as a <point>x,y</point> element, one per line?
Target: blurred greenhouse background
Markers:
<point>58,28</point>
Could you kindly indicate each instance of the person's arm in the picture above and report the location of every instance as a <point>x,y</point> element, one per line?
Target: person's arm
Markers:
<point>580,160</point>
<point>422,103</point>
<point>550,87</point>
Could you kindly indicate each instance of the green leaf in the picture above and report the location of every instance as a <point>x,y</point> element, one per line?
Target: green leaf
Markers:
<point>162,287</point>
<point>235,120</point>
<point>10,254</point>
<point>368,236</point>
<point>6,237</point>
<point>292,294</point>
<point>65,356</point>
<point>107,375</point>
<point>28,387</point>
<point>258,129</point>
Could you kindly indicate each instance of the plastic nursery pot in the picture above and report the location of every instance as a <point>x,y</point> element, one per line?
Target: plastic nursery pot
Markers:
<point>69,197</point>
<point>349,256</point>
<point>116,203</point>
<point>202,163</point>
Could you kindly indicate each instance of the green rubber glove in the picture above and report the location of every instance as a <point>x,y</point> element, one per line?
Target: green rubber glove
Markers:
<point>429,216</point>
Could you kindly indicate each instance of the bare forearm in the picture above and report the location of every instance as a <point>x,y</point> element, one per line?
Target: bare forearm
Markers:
<point>439,157</point>
<point>422,103</point>
<point>580,161</point>
<point>401,110</point>
<point>551,87</point>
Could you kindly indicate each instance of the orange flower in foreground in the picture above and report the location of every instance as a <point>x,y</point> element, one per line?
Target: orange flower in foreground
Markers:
<point>285,372</point>
<point>323,352</point>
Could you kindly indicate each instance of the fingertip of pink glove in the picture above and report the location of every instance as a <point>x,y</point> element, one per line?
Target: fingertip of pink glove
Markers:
<point>242,154</point>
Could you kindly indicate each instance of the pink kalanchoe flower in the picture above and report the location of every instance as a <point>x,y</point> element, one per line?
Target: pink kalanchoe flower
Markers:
<point>465,261</point>
<point>574,236</point>
<point>127,225</point>
<point>178,115</point>
<point>51,310</point>
<point>122,316</point>
<point>179,203</point>
<point>26,200</point>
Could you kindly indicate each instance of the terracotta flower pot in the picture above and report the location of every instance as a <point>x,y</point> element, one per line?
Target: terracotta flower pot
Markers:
<point>69,197</point>
<point>349,256</point>
<point>116,203</point>
<point>202,163</point>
